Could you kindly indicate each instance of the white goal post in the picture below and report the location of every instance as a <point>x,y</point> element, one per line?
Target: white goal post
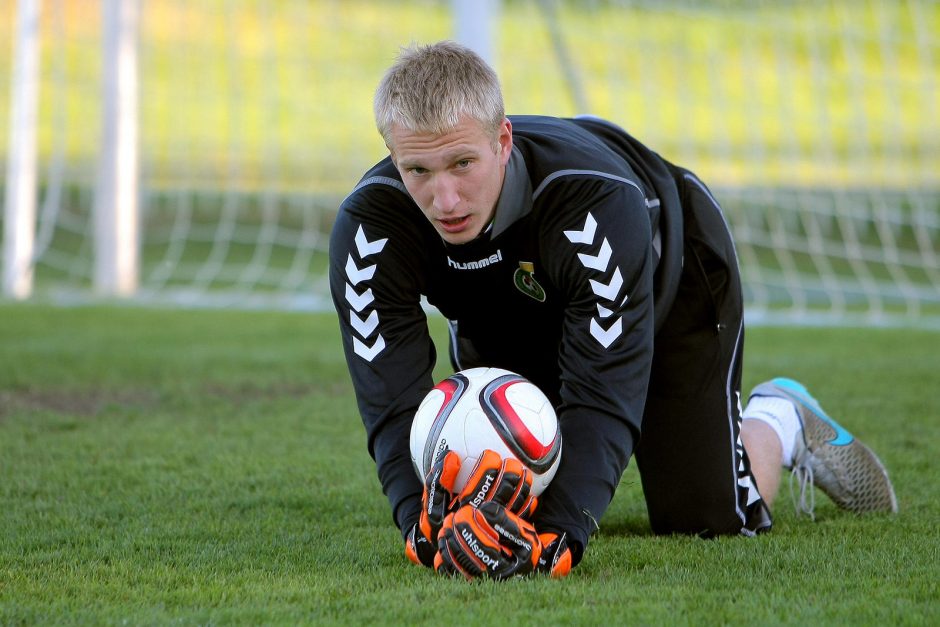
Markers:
<point>813,122</point>
<point>21,177</point>
<point>116,212</point>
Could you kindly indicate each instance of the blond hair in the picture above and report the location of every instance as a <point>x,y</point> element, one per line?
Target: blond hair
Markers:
<point>430,88</point>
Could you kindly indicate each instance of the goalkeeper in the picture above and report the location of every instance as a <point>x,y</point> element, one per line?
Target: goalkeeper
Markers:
<point>569,252</point>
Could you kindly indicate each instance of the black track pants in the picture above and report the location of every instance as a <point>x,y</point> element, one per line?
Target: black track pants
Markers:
<point>695,473</point>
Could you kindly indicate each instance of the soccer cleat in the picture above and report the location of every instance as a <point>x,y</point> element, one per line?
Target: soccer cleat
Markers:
<point>829,457</point>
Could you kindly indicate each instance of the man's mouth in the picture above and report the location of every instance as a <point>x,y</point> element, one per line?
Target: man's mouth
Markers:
<point>454,225</point>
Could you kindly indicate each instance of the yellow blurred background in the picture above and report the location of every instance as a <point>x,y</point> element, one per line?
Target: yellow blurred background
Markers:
<point>249,93</point>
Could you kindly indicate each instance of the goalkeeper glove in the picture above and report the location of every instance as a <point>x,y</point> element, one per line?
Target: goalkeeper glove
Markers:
<point>437,501</point>
<point>493,542</point>
<point>504,481</point>
<point>555,559</point>
<point>488,541</point>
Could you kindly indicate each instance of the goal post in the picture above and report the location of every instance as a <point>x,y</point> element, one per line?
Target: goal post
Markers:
<point>116,241</point>
<point>21,179</point>
<point>116,208</point>
<point>476,26</point>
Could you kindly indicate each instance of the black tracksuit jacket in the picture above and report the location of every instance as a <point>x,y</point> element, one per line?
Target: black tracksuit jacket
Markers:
<point>564,287</point>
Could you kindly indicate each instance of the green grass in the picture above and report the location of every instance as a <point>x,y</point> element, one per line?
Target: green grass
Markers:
<point>195,467</point>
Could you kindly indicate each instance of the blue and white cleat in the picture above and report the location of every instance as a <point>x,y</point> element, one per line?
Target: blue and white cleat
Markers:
<point>831,458</point>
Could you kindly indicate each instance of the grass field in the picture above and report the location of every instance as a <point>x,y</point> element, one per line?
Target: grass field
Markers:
<point>208,467</point>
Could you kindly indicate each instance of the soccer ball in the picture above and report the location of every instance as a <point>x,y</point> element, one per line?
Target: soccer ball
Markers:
<point>487,408</point>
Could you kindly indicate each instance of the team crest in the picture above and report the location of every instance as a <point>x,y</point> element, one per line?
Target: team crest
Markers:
<point>524,279</point>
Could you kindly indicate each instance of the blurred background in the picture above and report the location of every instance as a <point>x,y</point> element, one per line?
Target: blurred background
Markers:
<point>194,153</point>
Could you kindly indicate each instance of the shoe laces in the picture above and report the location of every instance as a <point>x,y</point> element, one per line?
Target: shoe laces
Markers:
<point>803,495</point>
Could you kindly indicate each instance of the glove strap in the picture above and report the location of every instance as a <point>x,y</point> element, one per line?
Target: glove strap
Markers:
<point>556,558</point>
<point>419,549</point>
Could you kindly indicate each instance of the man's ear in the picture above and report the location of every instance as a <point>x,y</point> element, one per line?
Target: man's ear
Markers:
<point>504,140</point>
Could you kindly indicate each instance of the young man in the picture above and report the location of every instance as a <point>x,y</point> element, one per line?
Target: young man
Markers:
<point>566,251</point>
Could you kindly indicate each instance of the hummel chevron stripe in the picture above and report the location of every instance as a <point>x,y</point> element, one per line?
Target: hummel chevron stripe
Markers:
<point>585,235</point>
<point>364,327</point>
<point>357,274</point>
<point>606,336</point>
<point>365,247</point>
<point>599,261</point>
<point>609,290</point>
<point>358,301</point>
<point>368,352</point>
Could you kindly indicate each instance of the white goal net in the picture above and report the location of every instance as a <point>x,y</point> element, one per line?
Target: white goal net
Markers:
<point>815,122</point>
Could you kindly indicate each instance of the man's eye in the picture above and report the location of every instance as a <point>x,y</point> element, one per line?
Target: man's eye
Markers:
<point>417,171</point>
<point>463,163</point>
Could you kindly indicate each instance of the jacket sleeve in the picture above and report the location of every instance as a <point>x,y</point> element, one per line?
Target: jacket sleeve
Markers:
<point>374,278</point>
<point>600,239</point>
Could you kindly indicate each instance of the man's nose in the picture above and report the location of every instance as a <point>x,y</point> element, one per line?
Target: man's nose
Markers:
<point>446,197</point>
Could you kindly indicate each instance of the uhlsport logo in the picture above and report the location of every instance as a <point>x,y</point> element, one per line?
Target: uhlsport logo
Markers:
<point>474,546</point>
<point>481,495</point>
<point>525,282</point>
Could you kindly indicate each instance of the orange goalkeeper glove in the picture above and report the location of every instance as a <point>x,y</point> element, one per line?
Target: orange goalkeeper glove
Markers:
<point>488,541</point>
<point>492,542</point>
<point>556,559</point>
<point>437,501</point>
<point>504,481</point>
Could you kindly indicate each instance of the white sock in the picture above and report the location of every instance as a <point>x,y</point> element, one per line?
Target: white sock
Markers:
<point>780,414</point>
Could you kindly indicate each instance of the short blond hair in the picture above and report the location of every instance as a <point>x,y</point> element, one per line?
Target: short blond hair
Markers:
<point>430,88</point>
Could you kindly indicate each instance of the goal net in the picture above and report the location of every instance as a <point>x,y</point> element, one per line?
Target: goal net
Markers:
<point>815,123</point>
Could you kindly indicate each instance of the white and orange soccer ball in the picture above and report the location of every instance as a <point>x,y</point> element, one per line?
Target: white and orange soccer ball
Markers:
<point>487,408</point>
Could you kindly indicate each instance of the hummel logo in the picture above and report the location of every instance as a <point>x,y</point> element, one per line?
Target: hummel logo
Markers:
<point>368,352</point>
<point>364,327</point>
<point>476,265</point>
<point>606,337</point>
<point>363,324</point>
<point>607,291</point>
<point>355,274</point>
<point>358,301</point>
<point>585,235</point>
<point>365,247</point>
<point>610,289</point>
<point>598,261</point>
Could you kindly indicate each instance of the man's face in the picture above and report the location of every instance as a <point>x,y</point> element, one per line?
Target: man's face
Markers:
<point>454,178</point>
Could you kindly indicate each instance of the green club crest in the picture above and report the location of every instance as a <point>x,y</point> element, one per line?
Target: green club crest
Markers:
<point>524,279</point>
